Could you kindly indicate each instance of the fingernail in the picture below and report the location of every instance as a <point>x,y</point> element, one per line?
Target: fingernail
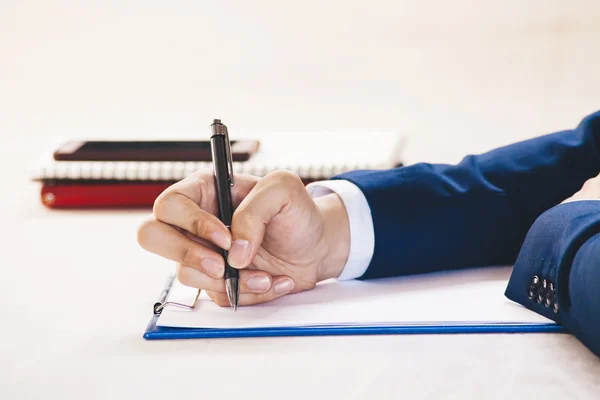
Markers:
<point>213,267</point>
<point>220,239</point>
<point>283,286</point>
<point>239,253</point>
<point>258,283</point>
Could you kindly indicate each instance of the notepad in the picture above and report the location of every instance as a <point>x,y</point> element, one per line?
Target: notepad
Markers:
<point>464,298</point>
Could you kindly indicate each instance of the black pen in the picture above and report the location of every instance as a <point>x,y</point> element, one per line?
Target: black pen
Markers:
<point>223,171</point>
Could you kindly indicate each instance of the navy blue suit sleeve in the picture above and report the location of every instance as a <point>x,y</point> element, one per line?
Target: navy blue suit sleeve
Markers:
<point>430,217</point>
<point>557,272</point>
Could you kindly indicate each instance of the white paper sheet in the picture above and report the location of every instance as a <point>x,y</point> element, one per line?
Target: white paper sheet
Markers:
<point>450,298</point>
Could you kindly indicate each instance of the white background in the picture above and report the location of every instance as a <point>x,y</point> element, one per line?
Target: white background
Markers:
<point>458,77</point>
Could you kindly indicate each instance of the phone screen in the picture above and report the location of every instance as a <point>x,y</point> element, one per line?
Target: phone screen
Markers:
<point>166,150</point>
<point>166,146</point>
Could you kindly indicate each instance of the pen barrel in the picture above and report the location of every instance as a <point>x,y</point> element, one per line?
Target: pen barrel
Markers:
<point>230,272</point>
<point>221,173</point>
<point>218,144</point>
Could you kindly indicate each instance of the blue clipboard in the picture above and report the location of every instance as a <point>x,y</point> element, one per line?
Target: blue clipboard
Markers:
<point>155,332</point>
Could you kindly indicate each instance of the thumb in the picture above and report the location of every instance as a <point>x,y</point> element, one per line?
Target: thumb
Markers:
<point>270,195</point>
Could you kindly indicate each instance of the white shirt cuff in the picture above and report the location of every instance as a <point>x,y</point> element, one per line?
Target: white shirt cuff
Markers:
<point>362,235</point>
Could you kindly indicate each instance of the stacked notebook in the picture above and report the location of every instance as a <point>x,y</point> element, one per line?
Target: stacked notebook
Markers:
<point>312,155</point>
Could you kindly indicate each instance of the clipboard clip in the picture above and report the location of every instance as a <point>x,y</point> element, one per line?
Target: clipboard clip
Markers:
<point>161,303</point>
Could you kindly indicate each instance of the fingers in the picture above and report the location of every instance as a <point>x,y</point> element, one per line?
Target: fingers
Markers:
<point>167,242</point>
<point>270,195</point>
<point>251,281</point>
<point>282,285</point>
<point>179,206</point>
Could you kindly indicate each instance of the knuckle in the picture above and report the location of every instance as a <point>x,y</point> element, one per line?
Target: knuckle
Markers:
<point>188,256</point>
<point>202,179</point>
<point>202,174</point>
<point>201,186</point>
<point>285,177</point>
<point>200,227</point>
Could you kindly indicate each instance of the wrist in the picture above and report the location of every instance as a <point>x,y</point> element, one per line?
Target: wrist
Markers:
<point>336,236</point>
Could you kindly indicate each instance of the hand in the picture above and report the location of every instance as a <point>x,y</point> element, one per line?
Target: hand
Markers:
<point>281,239</point>
<point>589,191</point>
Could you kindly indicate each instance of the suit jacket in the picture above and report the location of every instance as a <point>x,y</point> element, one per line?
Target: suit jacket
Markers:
<point>500,208</point>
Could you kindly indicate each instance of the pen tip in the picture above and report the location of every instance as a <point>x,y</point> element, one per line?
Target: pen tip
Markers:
<point>232,289</point>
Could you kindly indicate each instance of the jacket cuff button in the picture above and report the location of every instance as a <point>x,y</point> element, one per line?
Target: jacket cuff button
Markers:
<point>549,296</point>
<point>541,297</point>
<point>534,287</point>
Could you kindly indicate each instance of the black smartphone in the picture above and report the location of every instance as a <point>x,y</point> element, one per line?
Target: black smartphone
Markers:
<point>156,150</point>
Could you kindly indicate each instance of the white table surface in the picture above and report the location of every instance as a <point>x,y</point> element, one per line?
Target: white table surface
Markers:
<point>457,77</point>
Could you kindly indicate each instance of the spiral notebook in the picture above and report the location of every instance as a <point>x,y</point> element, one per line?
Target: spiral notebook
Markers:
<point>464,301</point>
<point>311,155</point>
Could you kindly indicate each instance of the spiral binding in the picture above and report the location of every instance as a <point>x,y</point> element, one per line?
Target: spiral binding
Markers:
<point>174,171</point>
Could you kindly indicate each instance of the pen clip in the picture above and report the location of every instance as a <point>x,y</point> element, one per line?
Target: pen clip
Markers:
<point>229,157</point>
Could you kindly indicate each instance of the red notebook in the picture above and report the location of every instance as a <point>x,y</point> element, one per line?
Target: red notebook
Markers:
<point>99,194</point>
<point>94,194</point>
